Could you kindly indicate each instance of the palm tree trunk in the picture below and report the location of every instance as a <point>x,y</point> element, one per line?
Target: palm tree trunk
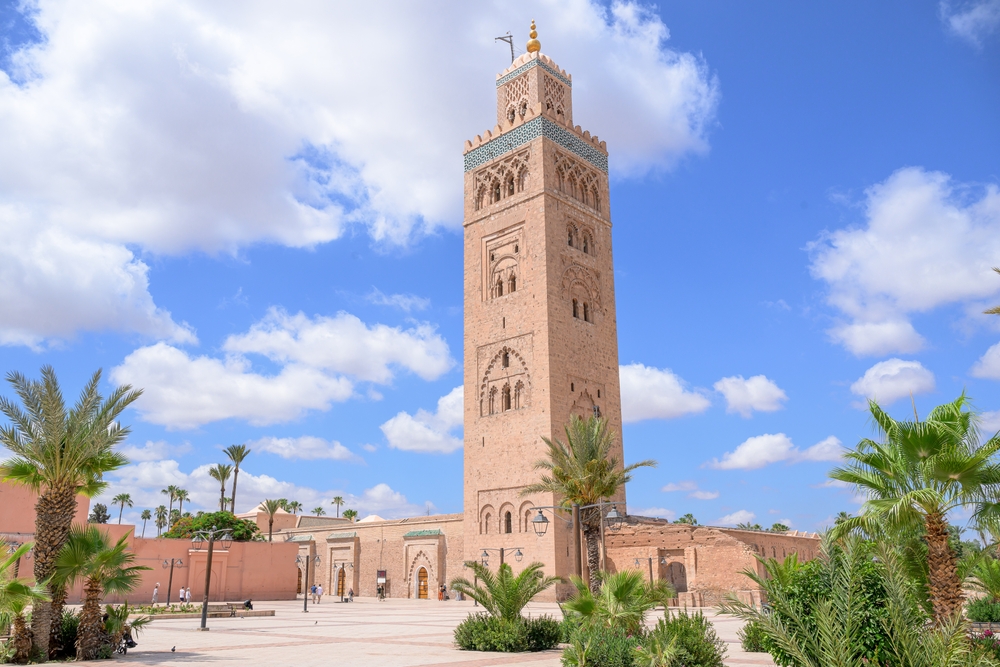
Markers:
<point>55,630</point>
<point>945,587</point>
<point>270,529</point>
<point>120,510</point>
<point>170,512</point>
<point>232,504</point>
<point>591,535</point>
<point>222,499</point>
<point>88,636</point>
<point>22,640</point>
<point>54,514</point>
<point>144,528</point>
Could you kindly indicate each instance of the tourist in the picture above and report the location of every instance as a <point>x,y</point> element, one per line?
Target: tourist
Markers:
<point>441,593</point>
<point>187,595</point>
<point>156,593</point>
<point>180,595</point>
<point>350,595</point>
<point>319,593</point>
<point>312,593</point>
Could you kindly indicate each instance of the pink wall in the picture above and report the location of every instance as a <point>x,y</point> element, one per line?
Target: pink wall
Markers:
<point>17,509</point>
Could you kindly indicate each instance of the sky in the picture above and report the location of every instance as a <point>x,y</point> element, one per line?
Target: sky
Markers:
<point>253,212</point>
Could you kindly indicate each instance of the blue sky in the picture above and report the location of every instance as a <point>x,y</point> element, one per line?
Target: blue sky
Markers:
<point>256,217</point>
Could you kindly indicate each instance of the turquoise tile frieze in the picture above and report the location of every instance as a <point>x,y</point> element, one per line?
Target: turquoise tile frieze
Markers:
<point>534,128</point>
<point>534,62</point>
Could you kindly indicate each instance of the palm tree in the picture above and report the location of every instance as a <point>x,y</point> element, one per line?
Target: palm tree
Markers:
<point>236,454</point>
<point>350,514</point>
<point>161,519</point>
<point>170,491</point>
<point>338,501</point>
<point>145,516</point>
<point>622,601</point>
<point>90,558</point>
<point>582,471</point>
<point>688,519</point>
<point>921,471</point>
<point>319,511</point>
<point>15,597</point>
<point>59,453</point>
<point>181,495</point>
<point>994,311</point>
<point>502,594</point>
<point>121,499</point>
<point>270,508</point>
<point>221,472</point>
<point>986,578</point>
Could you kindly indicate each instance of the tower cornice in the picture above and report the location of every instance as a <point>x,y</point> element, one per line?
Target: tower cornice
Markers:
<point>491,145</point>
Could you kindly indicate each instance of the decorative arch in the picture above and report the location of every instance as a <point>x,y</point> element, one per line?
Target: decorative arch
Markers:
<point>420,560</point>
<point>486,513</point>
<point>506,510</point>
<point>525,515</point>
<point>506,383</point>
<point>579,280</point>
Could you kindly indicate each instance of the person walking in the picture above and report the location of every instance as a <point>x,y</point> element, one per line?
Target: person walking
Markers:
<point>180,595</point>
<point>319,593</point>
<point>312,593</point>
<point>187,595</point>
<point>156,593</point>
<point>440,593</point>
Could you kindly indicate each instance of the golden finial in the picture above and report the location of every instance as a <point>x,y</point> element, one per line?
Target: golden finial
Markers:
<point>533,43</point>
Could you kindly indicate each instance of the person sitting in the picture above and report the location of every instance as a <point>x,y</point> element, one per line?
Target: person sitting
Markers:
<point>350,595</point>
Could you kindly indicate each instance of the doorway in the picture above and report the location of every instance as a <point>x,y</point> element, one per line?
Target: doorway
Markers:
<point>422,583</point>
<point>340,582</point>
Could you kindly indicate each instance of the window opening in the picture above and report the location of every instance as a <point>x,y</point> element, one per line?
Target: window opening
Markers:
<point>586,313</point>
<point>496,192</point>
<point>506,359</point>
<point>499,286</point>
<point>507,528</point>
<point>571,387</point>
<point>506,398</point>
<point>515,248</point>
<point>576,311</point>
<point>512,284</point>
<point>569,238</point>
<point>598,393</point>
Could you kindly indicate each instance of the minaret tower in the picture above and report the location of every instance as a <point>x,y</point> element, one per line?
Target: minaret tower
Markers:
<point>541,340</point>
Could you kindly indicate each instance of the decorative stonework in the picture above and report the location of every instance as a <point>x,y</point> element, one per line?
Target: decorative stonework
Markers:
<point>502,274</point>
<point>501,179</point>
<point>575,180</point>
<point>534,62</point>
<point>528,131</point>
<point>506,383</point>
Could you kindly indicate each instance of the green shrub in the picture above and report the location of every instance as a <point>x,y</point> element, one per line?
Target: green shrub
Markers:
<point>981,610</point>
<point>68,624</point>
<point>242,530</point>
<point>986,645</point>
<point>599,646</point>
<point>696,642</point>
<point>482,632</point>
<point>753,639</point>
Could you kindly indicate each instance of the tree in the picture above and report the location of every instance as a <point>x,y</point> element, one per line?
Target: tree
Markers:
<point>319,511</point>
<point>338,501</point>
<point>688,519</point>
<point>236,454</point>
<point>917,474</point>
<point>270,508</point>
<point>582,471</point>
<point>89,557</point>
<point>502,594</point>
<point>621,603</point>
<point>242,530</point>
<point>59,453</point>
<point>122,499</point>
<point>841,517</point>
<point>98,514</point>
<point>170,491</point>
<point>293,507</point>
<point>350,514</point>
<point>994,311</point>
<point>16,595</point>
<point>748,526</point>
<point>221,472</point>
<point>181,495</point>
<point>145,516</point>
<point>779,528</point>
<point>985,578</point>
<point>161,519</point>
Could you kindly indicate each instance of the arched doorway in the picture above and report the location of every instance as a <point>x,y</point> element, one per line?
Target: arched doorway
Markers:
<point>422,583</point>
<point>298,588</point>
<point>677,575</point>
<point>340,582</point>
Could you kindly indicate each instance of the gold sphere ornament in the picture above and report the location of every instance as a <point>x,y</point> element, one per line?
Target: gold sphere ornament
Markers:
<point>533,43</point>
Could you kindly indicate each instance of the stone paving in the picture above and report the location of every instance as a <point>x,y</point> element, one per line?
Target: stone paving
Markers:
<point>393,633</point>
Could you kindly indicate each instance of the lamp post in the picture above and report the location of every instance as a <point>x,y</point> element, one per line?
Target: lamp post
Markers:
<point>304,562</point>
<point>663,561</point>
<point>540,524</point>
<point>225,538</point>
<point>170,581</point>
<point>484,558</point>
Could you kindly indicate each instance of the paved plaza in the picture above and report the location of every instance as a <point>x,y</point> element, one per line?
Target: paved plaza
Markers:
<point>366,632</point>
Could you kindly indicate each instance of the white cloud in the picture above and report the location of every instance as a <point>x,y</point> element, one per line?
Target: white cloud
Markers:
<point>425,431</point>
<point>989,423</point>
<point>188,125</point>
<point>657,512</point>
<point>405,302</point>
<point>692,489</point>
<point>305,448</point>
<point>892,379</point>
<point>345,344</point>
<point>745,396</point>
<point>927,242</point>
<point>972,21</point>
<point>153,451</point>
<point>315,354</point>
<point>988,365</point>
<point>739,516</point>
<point>763,450</point>
<point>652,393</point>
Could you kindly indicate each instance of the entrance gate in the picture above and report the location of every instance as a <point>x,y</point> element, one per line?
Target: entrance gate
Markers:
<point>422,583</point>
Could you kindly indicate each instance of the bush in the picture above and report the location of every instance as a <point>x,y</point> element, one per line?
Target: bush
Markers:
<point>986,645</point>
<point>482,632</point>
<point>599,646</point>
<point>68,624</point>
<point>243,530</point>
<point>697,644</point>
<point>753,639</point>
<point>981,610</point>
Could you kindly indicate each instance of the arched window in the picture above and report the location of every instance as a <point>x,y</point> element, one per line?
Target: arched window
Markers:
<point>505,360</point>
<point>576,309</point>
<point>512,283</point>
<point>518,390</point>
<point>522,178</point>
<point>499,286</point>
<point>507,527</point>
<point>510,184</point>
<point>524,108</point>
<point>493,400</point>
<point>527,521</point>
<point>496,192</point>
<point>569,237</point>
<point>480,197</point>
<point>586,312</point>
<point>486,526</point>
<point>511,114</point>
<point>597,200</point>
<point>586,243</point>
<point>506,397</point>
<point>560,180</point>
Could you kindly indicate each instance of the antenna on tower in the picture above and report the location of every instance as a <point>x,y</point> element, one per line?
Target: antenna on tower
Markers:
<point>510,42</point>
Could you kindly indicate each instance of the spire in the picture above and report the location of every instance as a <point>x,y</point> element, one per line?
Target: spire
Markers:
<point>533,43</point>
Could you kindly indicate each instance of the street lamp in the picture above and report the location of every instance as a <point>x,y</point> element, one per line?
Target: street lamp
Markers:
<point>225,538</point>
<point>485,557</point>
<point>614,520</point>
<point>304,561</point>
<point>663,561</point>
<point>540,524</point>
<point>170,581</point>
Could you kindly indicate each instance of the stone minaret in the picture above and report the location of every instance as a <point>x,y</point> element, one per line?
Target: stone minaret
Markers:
<point>541,340</point>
